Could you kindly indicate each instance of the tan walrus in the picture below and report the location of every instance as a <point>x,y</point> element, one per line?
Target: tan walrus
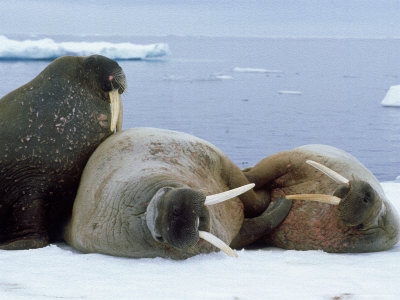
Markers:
<point>358,218</point>
<point>149,192</point>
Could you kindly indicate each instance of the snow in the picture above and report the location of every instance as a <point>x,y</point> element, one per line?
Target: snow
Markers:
<point>49,49</point>
<point>255,70</point>
<point>392,97</point>
<point>58,271</point>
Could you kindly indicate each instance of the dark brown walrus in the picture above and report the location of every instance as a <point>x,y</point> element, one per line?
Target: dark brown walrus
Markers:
<point>361,218</point>
<point>48,129</point>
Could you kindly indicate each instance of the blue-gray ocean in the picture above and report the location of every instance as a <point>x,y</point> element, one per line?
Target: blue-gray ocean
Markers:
<point>339,84</point>
<point>322,90</point>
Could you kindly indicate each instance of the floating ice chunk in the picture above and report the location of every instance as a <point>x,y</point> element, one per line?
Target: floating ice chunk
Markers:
<point>290,93</point>
<point>211,77</point>
<point>49,49</point>
<point>392,97</point>
<point>255,70</point>
<point>222,76</point>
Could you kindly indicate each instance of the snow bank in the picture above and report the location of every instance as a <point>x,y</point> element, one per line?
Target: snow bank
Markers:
<point>392,97</point>
<point>58,271</point>
<point>49,49</point>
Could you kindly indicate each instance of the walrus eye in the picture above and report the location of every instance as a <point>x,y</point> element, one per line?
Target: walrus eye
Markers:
<point>108,73</point>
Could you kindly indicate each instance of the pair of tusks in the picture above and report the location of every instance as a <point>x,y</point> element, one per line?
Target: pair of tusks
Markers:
<point>321,197</point>
<point>117,114</point>
<point>218,198</point>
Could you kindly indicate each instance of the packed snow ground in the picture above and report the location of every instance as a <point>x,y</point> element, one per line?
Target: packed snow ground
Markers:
<point>49,49</point>
<point>58,271</point>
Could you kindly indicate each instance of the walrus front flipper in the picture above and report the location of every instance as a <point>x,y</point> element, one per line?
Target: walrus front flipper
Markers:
<point>25,244</point>
<point>25,226</point>
<point>255,228</point>
<point>270,168</point>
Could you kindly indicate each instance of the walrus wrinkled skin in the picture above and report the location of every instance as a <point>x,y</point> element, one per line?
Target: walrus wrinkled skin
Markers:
<point>48,129</point>
<point>143,194</point>
<point>363,221</point>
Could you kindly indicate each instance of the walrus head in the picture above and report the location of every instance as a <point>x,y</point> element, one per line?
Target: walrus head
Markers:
<point>179,216</point>
<point>361,207</point>
<point>111,79</point>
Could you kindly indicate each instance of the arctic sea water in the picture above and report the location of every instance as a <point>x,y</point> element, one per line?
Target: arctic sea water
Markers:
<point>253,97</point>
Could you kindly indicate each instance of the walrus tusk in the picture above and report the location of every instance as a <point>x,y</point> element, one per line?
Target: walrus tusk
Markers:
<point>115,99</point>
<point>328,172</point>
<point>221,197</point>
<point>120,116</point>
<point>212,239</point>
<point>315,197</point>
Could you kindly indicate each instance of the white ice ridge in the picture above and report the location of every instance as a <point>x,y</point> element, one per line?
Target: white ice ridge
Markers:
<point>392,97</point>
<point>49,49</point>
<point>255,70</point>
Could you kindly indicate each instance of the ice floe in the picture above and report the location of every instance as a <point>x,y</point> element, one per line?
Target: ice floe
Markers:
<point>283,92</point>
<point>392,97</point>
<point>211,77</point>
<point>256,70</point>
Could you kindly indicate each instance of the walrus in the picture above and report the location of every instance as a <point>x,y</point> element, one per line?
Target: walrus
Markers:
<point>48,129</point>
<point>149,192</point>
<point>358,218</point>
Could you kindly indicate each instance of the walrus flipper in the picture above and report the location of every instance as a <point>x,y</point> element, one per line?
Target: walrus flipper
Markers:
<point>255,228</point>
<point>25,244</point>
<point>26,225</point>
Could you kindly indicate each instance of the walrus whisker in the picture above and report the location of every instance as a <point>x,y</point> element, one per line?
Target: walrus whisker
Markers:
<point>333,200</point>
<point>116,103</point>
<point>119,77</point>
<point>221,197</point>
<point>213,240</point>
<point>328,172</point>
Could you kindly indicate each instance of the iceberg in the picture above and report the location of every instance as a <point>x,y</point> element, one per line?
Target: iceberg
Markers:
<point>392,97</point>
<point>47,48</point>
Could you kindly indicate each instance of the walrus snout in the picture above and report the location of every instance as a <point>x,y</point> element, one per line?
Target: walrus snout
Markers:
<point>173,216</point>
<point>360,203</point>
